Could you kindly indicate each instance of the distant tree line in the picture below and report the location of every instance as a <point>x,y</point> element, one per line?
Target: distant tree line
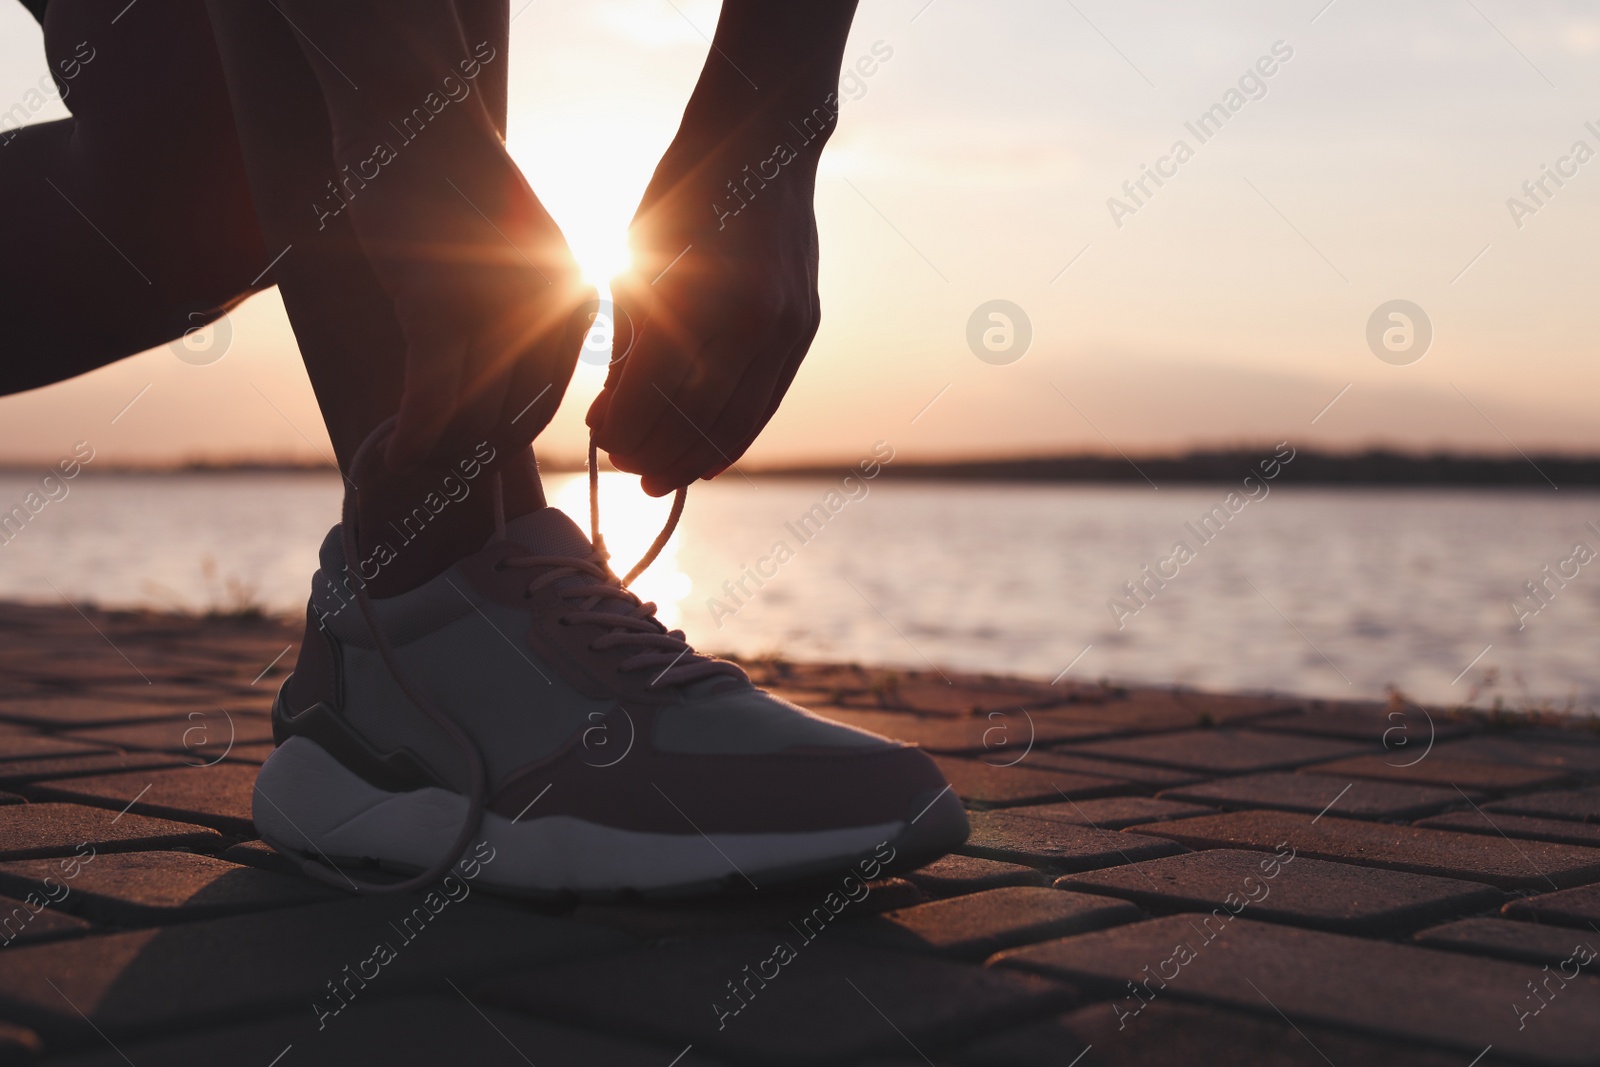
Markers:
<point>1373,467</point>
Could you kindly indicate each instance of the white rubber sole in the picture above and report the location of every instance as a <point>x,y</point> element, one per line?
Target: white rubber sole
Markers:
<point>308,803</point>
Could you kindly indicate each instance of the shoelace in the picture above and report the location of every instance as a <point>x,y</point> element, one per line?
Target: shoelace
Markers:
<point>635,626</point>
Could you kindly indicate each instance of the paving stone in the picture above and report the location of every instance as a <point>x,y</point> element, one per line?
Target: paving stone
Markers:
<point>1471,775</point>
<point>1415,994</point>
<point>1521,826</point>
<point>150,888</point>
<point>203,734</point>
<point>1300,892</point>
<point>986,785</point>
<point>31,746</point>
<point>819,701</point>
<point>443,1029</point>
<point>1563,729</point>
<point>1572,753</point>
<point>1111,813</point>
<point>18,1044</point>
<point>31,831</point>
<point>1577,805</point>
<point>1146,777</point>
<point>58,668</point>
<point>828,1002</point>
<point>187,695</point>
<point>147,982</point>
<point>833,678</point>
<point>957,874</point>
<point>1143,714</point>
<point>1569,907</point>
<point>21,772</point>
<point>77,711</point>
<point>213,796</point>
<point>30,918</point>
<point>933,694</point>
<point>981,924</point>
<point>1193,1035</point>
<point>999,737</point>
<point>1473,857</point>
<point>13,688</point>
<point>1527,942</point>
<point>1057,846</point>
<point>199,665</point>
<point>764,910</point>
<point>262,855</point>
<point>1169,709</point>
<point>1353,798</point>
<point>1222,751</point>
<point>1403,729</point>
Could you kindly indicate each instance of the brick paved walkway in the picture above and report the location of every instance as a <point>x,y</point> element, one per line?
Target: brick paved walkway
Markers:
<point>1153,878</point>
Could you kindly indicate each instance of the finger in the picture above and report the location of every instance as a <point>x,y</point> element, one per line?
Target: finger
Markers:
<point>598,409</point>
<point>627,311</point>
<point>736,372</point>
<point>634,302</point>
<point>734,427</point>
<point>739,419</point>
<point>674,318</point>
<point>715,451</point>
<point>663,358</point>
<point>722,444</point>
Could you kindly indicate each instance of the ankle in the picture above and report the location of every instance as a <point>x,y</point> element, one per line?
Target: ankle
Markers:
<point>412,527</point>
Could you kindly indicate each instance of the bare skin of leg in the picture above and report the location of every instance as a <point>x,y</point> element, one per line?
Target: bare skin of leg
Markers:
<point>456,313</point>
<point>718,341</point>
<point>151,218</point>
<point>345,321</point>
<point>480,278</point>
<point>136,207</point>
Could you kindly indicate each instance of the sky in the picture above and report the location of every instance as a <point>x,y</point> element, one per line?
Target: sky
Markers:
<point>980,162</point>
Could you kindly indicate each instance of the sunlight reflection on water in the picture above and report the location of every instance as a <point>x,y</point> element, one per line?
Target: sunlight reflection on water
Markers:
<point>1300,591</point>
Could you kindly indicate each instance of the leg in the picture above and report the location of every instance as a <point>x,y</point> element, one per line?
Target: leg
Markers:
<point>345,322</point>
<point>553,678</point>
<point>148,160</point>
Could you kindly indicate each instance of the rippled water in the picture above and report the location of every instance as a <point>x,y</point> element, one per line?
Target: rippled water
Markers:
<point>1322,591</point>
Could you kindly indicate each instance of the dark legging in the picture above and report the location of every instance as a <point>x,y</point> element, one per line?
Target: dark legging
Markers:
<point>131,221</point>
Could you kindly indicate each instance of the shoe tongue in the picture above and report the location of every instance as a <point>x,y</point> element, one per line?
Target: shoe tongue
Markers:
<point>549,532</point>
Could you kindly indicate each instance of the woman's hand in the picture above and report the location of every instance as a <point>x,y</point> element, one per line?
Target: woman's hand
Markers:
<point>723,307</point>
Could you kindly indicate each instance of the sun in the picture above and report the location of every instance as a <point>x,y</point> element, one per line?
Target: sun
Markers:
<point>601,251</point>
<point>593,184</point>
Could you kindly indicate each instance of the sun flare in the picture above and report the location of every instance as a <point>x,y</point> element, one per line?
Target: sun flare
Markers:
<point>592,186</point>
<point>602,253</point>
